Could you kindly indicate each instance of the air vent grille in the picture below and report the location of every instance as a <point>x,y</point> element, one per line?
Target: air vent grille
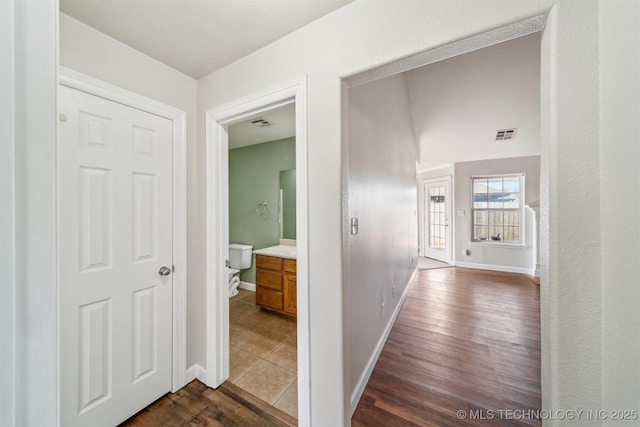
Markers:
<point>503,134</point>
<point>261,122</point>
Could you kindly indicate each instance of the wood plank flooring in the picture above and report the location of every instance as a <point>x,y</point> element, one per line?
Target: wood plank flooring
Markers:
<point>465,340</point>
<point>199,405</point>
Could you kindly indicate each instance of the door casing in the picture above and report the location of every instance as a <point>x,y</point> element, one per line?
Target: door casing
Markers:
<point>93,86</point>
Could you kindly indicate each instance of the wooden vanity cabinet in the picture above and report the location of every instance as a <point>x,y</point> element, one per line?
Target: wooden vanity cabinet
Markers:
<point>276,284</point>
<point>290,286</point>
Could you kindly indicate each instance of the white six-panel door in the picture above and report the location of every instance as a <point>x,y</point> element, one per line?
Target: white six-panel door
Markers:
<point>115,215</point>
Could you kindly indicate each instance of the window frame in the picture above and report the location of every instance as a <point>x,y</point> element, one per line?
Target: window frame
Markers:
<point>521,215</point>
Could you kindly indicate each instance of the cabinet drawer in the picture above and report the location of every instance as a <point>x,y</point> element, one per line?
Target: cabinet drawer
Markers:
<point>268,298</point>
<point>269,279</point>
<point>290,265</point>
<point>268,262</point>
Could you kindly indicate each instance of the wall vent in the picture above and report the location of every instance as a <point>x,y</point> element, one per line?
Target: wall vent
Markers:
<point>261,122</point>
<point>503,134</point>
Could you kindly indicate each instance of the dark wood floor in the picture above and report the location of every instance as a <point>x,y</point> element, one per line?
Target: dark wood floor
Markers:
<point>199,405</point>
<point>465,340</point>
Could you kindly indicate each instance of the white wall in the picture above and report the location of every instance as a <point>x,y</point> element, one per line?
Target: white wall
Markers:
<point>381,193</point>
<point>458,104</point>
<point>366,34</point>
<point>620,202</point>
<point>341,44</point>
<point>91,52</point>
<point>517,259</point>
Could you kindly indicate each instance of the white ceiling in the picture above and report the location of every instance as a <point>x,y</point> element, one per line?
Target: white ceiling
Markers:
<point>198,37</point>
<point>458,104</point>
<point>244,133</point>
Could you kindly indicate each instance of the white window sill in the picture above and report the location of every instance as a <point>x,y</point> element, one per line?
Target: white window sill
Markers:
<point>498,243</point>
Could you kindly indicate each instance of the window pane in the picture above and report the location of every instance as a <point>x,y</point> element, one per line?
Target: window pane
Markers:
<point>495,193</point>
<point>496,218</point>
<point>497,208</point>
<point>495,232</point>
<point>480,218</point>
<point>512,184</point>
<point>511,195</point>
<point>512,218</point>
<point>480,232</point>
<point>480,196</point>
<point>511,234</point>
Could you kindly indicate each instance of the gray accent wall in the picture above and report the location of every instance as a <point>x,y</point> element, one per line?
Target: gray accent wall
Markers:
<point>254,177</point>
<point>380,259</point>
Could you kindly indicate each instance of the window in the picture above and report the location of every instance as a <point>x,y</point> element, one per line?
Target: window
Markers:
<point>497,210</point>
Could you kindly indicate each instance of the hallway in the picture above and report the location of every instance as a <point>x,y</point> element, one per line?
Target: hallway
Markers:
<point>464,349</point>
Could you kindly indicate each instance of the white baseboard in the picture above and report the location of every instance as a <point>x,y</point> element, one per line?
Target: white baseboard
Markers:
<point>507,269</point>
<point>364,378</point>
<point>196,372</point>
<point>248,286</point>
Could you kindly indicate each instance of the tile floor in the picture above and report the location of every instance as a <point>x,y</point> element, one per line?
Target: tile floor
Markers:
<point>263,353</point>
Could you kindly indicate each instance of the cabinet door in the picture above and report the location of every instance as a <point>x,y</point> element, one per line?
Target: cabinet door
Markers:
<point>290,294</point>
<point>269,299</point>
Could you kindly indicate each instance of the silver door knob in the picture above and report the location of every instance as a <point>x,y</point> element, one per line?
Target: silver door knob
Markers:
<point>164,271</point>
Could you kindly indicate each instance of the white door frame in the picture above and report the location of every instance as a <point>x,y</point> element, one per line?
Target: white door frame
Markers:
<point>84,83</point>
<point>217,219</point>
<point>425,217</point>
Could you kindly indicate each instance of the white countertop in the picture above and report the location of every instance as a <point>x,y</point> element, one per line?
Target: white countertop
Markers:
<point>279,251</point>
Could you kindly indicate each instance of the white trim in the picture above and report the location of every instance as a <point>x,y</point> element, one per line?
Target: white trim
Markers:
<point>434,168</point>
<point>7,217</point>
<point>195,372</point>
<point>523,241</point>
<point>371,363</point>
<point>248,286</point>
<point>217,230</point>
<point>450,50</point>
<point>33,65</point>
<point>498,244</point>
<point>506,269</point>
<point>93,86</point>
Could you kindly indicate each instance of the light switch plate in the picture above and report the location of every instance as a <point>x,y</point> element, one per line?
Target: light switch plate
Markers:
<point>354,226</point>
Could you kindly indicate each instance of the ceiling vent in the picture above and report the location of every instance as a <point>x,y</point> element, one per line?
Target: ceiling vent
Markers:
<point>261,122</point>
<point>503,134</point>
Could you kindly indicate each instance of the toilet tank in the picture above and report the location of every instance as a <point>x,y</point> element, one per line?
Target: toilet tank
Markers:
<point>240,256</point>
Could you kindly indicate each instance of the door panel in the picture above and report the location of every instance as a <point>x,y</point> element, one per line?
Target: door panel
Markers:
<point>437,216</point>
<point>115,214</point>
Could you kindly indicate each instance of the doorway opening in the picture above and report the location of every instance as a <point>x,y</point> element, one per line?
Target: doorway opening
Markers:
<point>437,219</point>
<point>218,122</point>
<point>359,371</point>
<point>262,258</point>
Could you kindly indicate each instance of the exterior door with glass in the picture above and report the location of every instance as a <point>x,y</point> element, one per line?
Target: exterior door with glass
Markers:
<point>437,216</point>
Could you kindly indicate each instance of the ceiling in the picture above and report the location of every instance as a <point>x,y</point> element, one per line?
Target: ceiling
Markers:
<point>283,126</point>
<point>458,105</point>
<point>198,37</point>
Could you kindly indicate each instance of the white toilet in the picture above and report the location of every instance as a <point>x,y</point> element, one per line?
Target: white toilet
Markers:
<point>239,259</point>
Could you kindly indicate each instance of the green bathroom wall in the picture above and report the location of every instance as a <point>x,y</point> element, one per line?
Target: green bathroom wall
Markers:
<point>254,177</point>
